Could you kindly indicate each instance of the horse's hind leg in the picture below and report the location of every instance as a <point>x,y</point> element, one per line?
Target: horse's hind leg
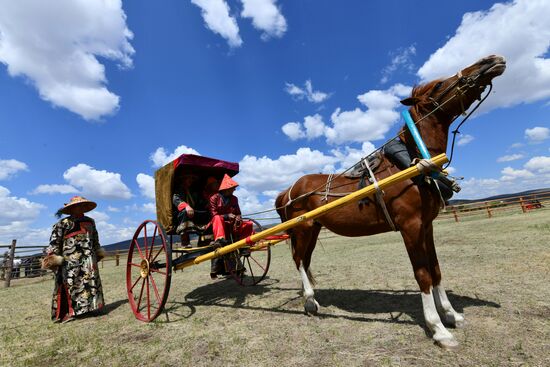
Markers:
<point>304,239</point>
<point>414,235</point>
<point>446,311</point>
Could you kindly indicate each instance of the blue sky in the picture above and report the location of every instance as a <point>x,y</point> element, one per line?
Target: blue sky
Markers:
<point>95,96</point>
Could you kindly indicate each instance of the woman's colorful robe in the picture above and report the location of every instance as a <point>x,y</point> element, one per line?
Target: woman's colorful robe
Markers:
<point>77,283</point>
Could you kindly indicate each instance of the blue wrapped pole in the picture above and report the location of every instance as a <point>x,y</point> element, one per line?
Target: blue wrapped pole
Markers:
<point>417,138</point>
<point>416,135</point>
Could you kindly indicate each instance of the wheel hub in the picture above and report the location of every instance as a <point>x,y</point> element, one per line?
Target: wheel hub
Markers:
<point>144,272</point>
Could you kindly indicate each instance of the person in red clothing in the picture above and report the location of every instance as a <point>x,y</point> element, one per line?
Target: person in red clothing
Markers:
<point>226,219</point>
<point>226,214</point>
<point>210,188</point>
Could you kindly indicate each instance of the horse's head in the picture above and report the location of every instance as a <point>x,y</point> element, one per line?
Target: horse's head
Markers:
<point>455,94</point>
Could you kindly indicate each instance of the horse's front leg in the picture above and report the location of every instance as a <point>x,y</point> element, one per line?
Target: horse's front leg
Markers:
<point>448,314</point>
<point>446,311</point>
<point>413,233</point>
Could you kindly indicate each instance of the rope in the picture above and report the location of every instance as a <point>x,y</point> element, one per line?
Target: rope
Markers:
<point>439,106</point>
<point>455,132</point>
<point>327,190</point>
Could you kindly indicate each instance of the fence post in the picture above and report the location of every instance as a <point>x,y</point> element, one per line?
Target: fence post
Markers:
<point>489,214</point>
<point>522,205</point>
<point>117,258</point>
<point>9,265</point>
<point>4,266</point>
<point>455,215</point>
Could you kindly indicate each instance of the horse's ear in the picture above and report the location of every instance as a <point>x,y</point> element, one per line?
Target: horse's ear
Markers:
<point>411,101</point>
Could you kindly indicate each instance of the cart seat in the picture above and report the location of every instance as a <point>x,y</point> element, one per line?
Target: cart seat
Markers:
<point>203,232</point>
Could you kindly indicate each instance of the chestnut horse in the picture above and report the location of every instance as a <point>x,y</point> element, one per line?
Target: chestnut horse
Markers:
<point>412,206</point>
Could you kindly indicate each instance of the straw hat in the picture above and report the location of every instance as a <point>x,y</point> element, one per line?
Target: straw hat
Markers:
<point>227,183</point>
<point>77,204</point>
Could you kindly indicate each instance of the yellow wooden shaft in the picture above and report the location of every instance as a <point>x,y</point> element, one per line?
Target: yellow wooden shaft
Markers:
<point>355,196</point>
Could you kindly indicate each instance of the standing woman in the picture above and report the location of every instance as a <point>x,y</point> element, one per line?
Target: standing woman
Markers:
<point>73,255</point>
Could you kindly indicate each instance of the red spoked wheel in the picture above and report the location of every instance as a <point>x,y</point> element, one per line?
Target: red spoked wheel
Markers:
<point>249,265</point>
<point>148,271</point>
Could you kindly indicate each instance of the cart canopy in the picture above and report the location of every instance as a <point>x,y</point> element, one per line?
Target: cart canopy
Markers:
<point>201,166</point>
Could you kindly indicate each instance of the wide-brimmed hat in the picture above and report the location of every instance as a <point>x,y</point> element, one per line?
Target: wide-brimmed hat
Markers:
<point>227,183</point>
<point>77,204</point>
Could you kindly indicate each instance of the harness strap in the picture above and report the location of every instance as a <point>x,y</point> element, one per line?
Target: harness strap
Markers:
<point>379,195</point>
<point>327,187</point>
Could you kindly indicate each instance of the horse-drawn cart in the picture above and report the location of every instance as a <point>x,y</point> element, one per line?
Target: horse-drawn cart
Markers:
<point>153,254</point>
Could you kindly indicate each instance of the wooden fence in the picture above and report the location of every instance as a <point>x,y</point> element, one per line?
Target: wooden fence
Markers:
<point>29,265</point>
<point>17,264</point>
<point>489,209</point>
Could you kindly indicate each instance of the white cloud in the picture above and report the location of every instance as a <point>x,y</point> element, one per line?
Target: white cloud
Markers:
<point>537,134</point>
<point>464,139</point>
<point>451,170</point>
<point>370,124</point>
<point>10,167</point>
<point>307,92</point>
<point>518,30</point>
<point>54,189</point>
<point>146,185</point>
<point>217,18</point>
<point>357,125</point>
<point>111,233</point>
<point>16,210</point>
<point>113,209</point>
<point>259,174</point>
<point>266,16</point>
<point>24,234</point>
<point>510,157</point>
<point>348,156</point>
<point>262,178</point>
<point>56,45</point>
<point>97,184</point>
<point>538,165</point>
<point>99,216</point>
<point>294,130</point>
<point>534,174</point>
<point>400,59</point>
<point>509,174</point>
<point>159,157</point>
<point>149,208</point>
<point>313,127</point>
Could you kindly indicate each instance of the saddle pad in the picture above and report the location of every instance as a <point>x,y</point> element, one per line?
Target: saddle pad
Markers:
<point>374,160</point>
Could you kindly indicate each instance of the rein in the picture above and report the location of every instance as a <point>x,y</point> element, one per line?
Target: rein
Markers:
<point>468,82</point>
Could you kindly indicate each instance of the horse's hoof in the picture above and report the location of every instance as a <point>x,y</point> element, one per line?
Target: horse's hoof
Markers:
<point>311,306</point>
<point>448,344</point>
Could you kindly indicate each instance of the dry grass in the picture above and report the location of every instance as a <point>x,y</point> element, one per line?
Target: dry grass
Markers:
<point>496,272</point>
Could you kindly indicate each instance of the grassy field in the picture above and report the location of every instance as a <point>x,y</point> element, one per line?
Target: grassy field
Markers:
<point>495,270</point>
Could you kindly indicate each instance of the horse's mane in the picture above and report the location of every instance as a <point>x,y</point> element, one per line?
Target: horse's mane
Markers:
<point>421,91</point>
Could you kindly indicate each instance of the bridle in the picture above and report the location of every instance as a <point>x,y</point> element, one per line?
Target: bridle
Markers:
<point>462,85</point>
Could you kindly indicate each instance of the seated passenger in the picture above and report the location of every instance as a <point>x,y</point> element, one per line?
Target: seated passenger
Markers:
<point>184,201</point>
<point>226,220</point>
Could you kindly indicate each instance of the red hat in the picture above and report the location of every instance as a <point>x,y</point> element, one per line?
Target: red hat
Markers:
<point>227,183</point>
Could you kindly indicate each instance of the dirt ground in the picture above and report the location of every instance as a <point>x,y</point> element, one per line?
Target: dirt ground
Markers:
<point>495,270</point>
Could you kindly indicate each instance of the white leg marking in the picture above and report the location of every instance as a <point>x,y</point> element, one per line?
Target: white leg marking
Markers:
<point>445,309</point>
<point>308,289</point>
<point>311,306</point>
<point>441,335</point>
